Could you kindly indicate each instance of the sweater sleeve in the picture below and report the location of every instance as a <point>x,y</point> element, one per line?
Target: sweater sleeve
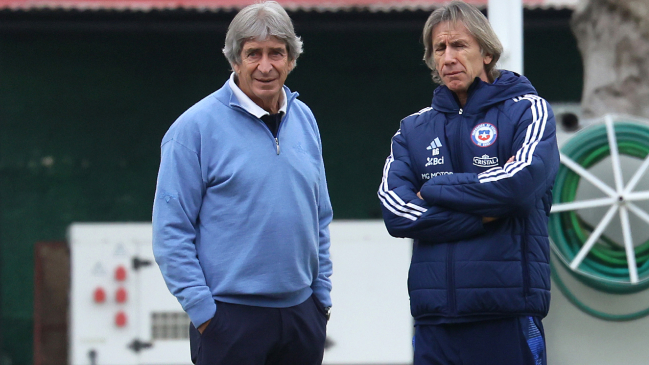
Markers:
<point>322,284</point>
<point>406,215</point>
<point>515,187</point>
<point>177,203</point>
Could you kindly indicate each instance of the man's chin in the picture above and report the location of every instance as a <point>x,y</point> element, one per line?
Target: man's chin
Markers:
<point>267,93</point>
<point>455,85</point>
<point>267,88</point>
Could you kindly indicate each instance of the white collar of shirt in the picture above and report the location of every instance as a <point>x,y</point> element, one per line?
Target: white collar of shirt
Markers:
<point>249,105</point>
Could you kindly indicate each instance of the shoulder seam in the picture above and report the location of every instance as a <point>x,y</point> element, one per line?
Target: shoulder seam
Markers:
<point>422,111</point>
<point>180,144</point>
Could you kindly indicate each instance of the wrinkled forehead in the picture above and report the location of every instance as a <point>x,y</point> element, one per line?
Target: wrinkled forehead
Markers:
<point>449,30</point>
<point>269,41</point>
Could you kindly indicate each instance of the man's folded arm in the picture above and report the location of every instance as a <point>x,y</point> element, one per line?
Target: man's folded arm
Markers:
<point>406,215</point>
<point>514,188</point>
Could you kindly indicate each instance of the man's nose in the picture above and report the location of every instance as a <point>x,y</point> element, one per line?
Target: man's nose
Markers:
<point>450,56</point>
<point>265,65</point>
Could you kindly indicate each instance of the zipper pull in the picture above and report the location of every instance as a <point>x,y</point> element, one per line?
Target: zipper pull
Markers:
<point>461,111</point>
<point>277,142</point>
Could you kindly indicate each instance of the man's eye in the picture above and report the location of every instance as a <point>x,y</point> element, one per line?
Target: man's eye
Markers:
<point>276,55</point>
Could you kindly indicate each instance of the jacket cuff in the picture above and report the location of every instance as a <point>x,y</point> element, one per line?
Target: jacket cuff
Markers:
<point>429,192</point>
<point>202,311</point>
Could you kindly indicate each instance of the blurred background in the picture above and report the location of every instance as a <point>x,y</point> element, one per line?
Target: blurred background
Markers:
<point>88,89</point>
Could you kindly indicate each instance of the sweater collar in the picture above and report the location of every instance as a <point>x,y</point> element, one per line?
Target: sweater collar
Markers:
<point>248,105</point>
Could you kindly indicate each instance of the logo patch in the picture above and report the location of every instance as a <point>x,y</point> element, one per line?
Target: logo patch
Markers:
<point>434,146</point>
<point>485,161</point>
<point>484,134</point>
<point>430,175</point>
<point>434,161</point>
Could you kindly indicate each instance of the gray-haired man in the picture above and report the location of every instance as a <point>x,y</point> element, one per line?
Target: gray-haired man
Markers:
<point>241,213</point>
<point>470,180</point>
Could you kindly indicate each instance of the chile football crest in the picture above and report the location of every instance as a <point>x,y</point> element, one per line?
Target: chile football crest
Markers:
<point>484,134</point>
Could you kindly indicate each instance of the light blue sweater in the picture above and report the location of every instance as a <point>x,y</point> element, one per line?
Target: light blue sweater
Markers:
<point>239,216</point>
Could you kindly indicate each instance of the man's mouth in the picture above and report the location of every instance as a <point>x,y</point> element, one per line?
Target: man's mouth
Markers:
<point>453,73</point>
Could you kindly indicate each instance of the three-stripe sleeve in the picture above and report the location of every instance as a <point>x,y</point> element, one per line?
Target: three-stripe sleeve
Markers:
<point>390,200</point>
<point>533,135</point>
<point>406,215</point>
<point>516,186</point>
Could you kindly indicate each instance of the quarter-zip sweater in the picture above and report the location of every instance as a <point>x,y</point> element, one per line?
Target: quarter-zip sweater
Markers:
<point>457,158</point>
<point>239,215</point>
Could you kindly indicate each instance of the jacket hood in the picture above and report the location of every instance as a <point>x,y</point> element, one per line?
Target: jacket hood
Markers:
<point>483,95</point>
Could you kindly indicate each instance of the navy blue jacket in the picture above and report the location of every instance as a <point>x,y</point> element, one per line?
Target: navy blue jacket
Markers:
<point>458,158</point>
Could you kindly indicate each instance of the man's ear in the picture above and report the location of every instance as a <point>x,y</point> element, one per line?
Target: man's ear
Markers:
<point>487,59</point>
<point>236,68</point>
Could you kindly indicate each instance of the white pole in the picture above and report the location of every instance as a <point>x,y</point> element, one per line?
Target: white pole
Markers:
<point>594,236</point>
<point>583,204</point>
<point>506,18</point>
<point>628,245</point>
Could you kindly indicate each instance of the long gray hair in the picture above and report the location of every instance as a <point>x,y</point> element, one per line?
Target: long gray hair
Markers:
<point>477,25</point>
<point>258,22</point>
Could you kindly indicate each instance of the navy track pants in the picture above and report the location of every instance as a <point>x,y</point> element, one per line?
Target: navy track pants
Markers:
<point>509,341</point>
<point>247,335</point>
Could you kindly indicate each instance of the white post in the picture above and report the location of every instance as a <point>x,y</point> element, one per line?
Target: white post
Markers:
<point>506,18</point>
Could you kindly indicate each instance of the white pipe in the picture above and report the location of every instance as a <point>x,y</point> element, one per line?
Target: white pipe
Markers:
<point>506,18</point>
<point>577,168</point>
<point>615,155</point>
<point>591,203</point>
<point>637,211</point>
<point>593,237</point>
<point>638,174</point>
<point>628,245</point>
<point>640,195</point>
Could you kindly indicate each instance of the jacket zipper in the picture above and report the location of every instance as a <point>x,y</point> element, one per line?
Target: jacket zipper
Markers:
<point>450,254</point>
<point>458,145</point>
<point>450,275</point>
<point>266,127</point>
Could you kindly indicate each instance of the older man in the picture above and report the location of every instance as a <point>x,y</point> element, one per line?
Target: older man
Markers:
<point>241,211</point>
<point>470,179</point>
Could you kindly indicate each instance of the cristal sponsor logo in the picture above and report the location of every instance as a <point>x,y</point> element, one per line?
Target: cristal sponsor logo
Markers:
<point>430,175</point>
<point>485,161</point>
<point>432,161</point>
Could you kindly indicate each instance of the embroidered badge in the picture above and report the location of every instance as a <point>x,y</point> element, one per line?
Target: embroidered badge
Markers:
<point>484,134</point>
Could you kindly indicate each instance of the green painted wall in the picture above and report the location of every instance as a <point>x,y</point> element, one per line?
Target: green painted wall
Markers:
<point>85,99</point>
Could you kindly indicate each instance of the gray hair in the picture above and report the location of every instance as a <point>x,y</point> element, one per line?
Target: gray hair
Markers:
<point>477,25</point>
<point>259,22</point>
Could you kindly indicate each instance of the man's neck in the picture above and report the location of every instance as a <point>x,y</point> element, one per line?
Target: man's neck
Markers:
<point>461,99</point>
<point>271,106</point>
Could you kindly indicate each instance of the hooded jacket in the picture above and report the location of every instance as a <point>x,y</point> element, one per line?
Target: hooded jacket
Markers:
<point>495,157</point>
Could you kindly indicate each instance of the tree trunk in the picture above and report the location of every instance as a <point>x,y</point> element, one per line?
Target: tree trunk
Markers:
<point>613,37</point>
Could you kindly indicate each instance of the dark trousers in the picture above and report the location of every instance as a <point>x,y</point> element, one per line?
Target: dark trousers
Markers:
<point>510,341</point>
<point>246,335</point>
